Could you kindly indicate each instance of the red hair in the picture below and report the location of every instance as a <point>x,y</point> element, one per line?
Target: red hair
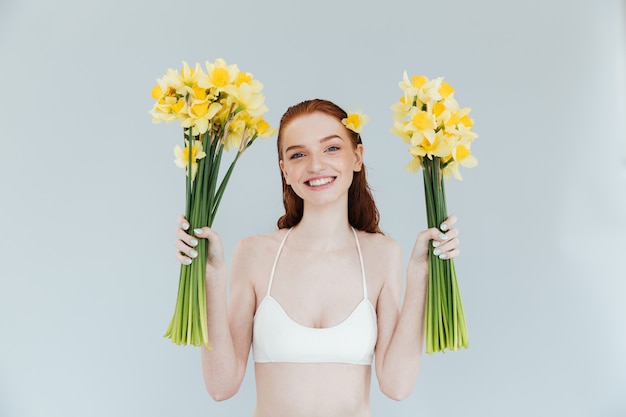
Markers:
<point>362,211</point>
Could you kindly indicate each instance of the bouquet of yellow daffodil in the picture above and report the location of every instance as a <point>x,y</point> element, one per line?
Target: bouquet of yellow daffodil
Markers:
<point>219,109</point>
<point>439,134</point>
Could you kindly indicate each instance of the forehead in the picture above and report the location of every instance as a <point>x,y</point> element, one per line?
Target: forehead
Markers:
<point>312,126</point>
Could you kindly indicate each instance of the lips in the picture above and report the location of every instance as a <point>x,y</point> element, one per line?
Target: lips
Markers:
<point>319,182</point>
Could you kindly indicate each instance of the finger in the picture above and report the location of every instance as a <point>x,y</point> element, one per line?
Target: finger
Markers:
<point>215,247</point>
<point>450,234</point>
<point>450,254</point>
<point>448,246</point>
<point>183,223</point>
<point>207,233</point>
<point>438,237</point>
<point>447,223</point>
<point>441,237</point>
<point>444,242</point>
<point>183,259</point>
<point>183,248</point>
<point>184,252</point>
<point>183,236</point>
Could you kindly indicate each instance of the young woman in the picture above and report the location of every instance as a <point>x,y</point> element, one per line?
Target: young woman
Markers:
<point>319,298</point>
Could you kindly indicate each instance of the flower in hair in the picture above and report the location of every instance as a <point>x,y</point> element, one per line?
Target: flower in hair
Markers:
<point>355,121</point>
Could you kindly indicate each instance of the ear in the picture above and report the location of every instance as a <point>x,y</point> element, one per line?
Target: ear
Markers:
<point>282,169</point>
<point>358,153</point>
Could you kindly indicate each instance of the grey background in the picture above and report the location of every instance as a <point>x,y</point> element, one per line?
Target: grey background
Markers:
<point>90,194</point>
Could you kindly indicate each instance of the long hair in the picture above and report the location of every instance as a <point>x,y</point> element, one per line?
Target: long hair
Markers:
<point>362,211</point>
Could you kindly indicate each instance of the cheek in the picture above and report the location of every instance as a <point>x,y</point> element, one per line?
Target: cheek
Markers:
<point>351,164</point>
<point>290,172</point>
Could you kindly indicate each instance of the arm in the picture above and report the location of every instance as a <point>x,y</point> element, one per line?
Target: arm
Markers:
<point>401,328</point>
<point>229,326</point>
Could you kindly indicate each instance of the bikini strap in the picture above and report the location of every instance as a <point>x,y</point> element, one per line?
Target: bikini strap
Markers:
<point>280,249</point>
<point>358,246</point>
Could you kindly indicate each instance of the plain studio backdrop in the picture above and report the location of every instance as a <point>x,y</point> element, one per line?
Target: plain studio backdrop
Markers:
<point>90,194</point>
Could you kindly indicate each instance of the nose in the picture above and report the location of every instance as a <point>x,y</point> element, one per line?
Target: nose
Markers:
<point>316,163</point>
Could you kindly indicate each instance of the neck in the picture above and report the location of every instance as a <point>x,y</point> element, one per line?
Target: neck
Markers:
<point>325,226</point>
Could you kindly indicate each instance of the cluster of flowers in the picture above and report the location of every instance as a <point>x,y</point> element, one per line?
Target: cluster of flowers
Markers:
<point>222,101</point>
<point>439,132</point>
<point>429,119</point>
<point>220,108</point>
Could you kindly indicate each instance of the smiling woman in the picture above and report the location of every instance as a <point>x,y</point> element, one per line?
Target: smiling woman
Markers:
<point>312,164</point>
<point>87,276</point>
<point>362,210</point>
<point>320,297</point>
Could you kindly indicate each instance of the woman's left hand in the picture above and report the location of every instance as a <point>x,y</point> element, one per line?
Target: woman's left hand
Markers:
<point>445,242</point>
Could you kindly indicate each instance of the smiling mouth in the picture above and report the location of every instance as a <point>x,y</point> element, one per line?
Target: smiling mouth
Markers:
<point>320,181</point>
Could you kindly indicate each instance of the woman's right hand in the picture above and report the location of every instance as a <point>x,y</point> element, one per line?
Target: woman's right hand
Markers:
<point>186,245</point>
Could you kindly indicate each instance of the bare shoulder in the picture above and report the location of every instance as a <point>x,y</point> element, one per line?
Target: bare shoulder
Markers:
<point>382,257</point>
<point>252,247</point>
<point>253,257</point>
<point>383,246</point>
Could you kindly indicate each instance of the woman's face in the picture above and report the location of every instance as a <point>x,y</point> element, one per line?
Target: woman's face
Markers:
<point>318,158</point>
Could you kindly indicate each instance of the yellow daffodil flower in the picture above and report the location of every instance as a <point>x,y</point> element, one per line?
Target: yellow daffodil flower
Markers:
<point>236,132</point>
<point>182,157</point>
<point>412,85</point>
<point>199,115</point>
<point>415,165</point>
<point>464,133</point>
<point>245,77</point>
<point>421,125</point>
<point>263,129</point>
<point>168,102</point>
<point>249,100</point>
<point>429,92</point>
<point>441,147</point>
<point>355,121</point>
<point>445,89</point>
<point>186,80</point>
<point>452,169</point>
<point>401,109</point>
<point>463,156</point>
<point>398,130</point>
<point>219,74</point>
<point>168,109</point>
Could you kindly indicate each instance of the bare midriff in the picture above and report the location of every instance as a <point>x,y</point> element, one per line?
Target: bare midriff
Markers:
<point>312,390</point>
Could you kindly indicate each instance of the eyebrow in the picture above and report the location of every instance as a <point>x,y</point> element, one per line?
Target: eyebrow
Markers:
<point>322,140</point>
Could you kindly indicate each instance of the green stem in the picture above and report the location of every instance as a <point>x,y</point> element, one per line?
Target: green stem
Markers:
<point>220,191</point>
<point>188,176</point>
<point>445,321</point>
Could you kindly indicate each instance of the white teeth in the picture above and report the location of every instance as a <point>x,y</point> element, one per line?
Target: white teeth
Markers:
<point>321,181</point>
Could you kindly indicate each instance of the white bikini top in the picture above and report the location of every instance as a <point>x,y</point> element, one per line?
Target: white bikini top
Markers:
<point>278,338</point>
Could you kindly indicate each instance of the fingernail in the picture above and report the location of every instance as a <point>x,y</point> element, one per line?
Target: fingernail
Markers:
<point>436,252</point>
<point>443,236</point>
<point>193,253</point>
<point>444,226</point>
<point>442,256</point>
<point>435,243</point>
<point>187,261</point>
<point>193,242</point>
<point>197,231</point>
<point>185,226</point>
